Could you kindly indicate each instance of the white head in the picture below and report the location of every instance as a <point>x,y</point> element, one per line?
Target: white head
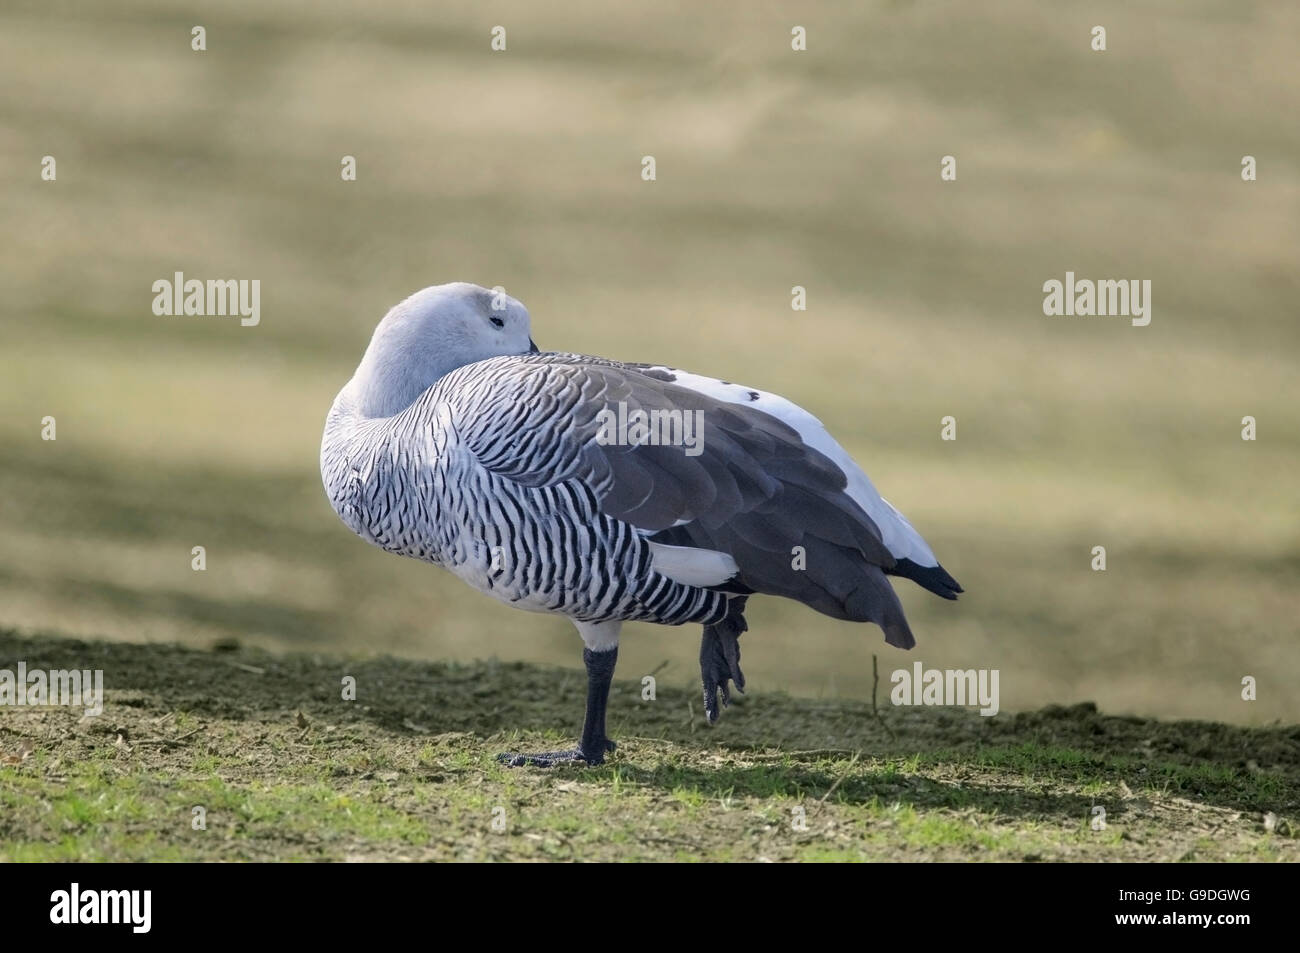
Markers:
<point>431,333</point>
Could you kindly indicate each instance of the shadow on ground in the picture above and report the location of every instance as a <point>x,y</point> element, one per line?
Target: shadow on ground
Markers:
<point>784,740</point>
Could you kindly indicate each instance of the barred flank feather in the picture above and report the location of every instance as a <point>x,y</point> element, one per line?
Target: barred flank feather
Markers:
<point>412,485</point>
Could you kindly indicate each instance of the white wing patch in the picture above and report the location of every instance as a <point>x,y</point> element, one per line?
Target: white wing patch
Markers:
<point>896,532</point>
<point>691,566</point>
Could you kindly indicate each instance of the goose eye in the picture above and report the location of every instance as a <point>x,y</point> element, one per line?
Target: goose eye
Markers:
<point>498,322</point>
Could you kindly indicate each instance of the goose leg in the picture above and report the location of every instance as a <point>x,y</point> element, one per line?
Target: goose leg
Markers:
<point>720,658</point>
<point>594,744</point>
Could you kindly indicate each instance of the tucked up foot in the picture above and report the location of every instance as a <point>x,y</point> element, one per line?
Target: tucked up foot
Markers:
<point>549,759</point>
<point>720,659</point>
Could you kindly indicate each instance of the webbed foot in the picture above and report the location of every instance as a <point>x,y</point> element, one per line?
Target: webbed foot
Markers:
<point>548,759</point>
<point>720,660</point>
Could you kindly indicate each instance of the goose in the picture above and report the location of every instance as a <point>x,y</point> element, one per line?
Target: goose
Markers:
<point>534,477</point>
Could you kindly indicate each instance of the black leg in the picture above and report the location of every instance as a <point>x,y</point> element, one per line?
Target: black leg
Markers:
<point>594,744</point>
<point>600,673</point>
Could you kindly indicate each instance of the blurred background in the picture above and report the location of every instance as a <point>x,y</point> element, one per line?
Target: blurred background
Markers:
<point>775,168</point>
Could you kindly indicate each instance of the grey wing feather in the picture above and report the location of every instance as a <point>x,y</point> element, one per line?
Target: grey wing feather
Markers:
<point>756,491</point>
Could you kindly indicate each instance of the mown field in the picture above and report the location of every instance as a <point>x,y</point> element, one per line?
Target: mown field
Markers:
<point>284,770</point>
<point>774,169</point>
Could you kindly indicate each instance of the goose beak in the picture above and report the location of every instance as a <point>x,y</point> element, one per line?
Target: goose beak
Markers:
<point>532,347</point>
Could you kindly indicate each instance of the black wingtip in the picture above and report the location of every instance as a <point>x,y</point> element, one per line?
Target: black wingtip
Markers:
<point>933,578</point>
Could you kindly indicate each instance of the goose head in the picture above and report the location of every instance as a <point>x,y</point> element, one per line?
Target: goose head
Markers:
<point>430,334</point>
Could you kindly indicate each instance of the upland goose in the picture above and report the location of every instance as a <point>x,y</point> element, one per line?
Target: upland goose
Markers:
<point>606,492</point>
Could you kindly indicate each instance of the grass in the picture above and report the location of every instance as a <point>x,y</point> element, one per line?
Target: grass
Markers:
<point>283,769</point>
<point>775,169</point>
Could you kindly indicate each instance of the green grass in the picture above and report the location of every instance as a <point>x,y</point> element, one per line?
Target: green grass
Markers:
<point>522,169</point>
<point>775,169</point>
<point>408,771</point>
